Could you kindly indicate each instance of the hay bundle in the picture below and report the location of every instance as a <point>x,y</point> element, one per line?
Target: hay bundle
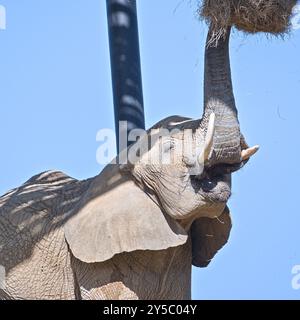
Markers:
<point>272,16</point>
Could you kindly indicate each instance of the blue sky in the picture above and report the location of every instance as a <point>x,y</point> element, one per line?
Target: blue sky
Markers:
<point>55,94</point>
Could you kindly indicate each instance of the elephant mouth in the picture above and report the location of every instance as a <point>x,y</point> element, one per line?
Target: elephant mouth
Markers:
<point>214,184</point>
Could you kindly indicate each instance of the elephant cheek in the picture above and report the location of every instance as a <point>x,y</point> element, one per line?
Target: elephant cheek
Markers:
<point>182,207</point>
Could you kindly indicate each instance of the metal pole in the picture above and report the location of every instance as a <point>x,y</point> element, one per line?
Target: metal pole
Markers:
<point>125,66</point>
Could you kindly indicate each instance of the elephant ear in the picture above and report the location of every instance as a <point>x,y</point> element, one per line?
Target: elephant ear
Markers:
<point>119,217</point>
<point>208,237</point>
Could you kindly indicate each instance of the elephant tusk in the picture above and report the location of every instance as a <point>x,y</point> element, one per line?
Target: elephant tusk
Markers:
<point>209,138</point>
<point>247,153</point>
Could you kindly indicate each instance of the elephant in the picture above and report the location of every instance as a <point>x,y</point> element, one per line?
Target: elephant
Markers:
<point>135,230</point>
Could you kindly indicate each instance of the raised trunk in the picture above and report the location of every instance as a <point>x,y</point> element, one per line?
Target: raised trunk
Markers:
<point>219,98</point>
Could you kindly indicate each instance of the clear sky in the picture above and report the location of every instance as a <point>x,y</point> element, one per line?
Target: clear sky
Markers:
<point>55,94</point>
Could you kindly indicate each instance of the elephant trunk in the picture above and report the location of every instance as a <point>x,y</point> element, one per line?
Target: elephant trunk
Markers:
<point>219,99</point>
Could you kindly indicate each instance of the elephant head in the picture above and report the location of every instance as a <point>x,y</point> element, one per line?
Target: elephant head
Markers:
<point>187,164</point>
<point>178,183</point>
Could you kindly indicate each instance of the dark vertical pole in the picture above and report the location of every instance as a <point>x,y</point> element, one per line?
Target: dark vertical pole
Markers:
<point>125,65</point>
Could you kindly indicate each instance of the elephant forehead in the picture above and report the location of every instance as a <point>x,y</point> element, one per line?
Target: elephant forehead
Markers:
<point>178,122</point>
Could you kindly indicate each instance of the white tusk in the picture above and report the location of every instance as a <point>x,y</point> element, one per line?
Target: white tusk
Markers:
<point>209,138</point>
<point>247,153</point>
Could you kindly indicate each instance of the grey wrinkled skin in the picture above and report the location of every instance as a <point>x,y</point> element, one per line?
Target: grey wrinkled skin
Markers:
<point>133,231</point>
<point>124,234</point>
<point>40,264</point>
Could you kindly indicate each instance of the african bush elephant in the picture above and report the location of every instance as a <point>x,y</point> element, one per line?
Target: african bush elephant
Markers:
<point>135,230</point>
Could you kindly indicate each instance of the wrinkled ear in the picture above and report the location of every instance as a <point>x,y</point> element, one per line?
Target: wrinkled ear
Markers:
<point>120,219</point>
<point>208,237</point>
